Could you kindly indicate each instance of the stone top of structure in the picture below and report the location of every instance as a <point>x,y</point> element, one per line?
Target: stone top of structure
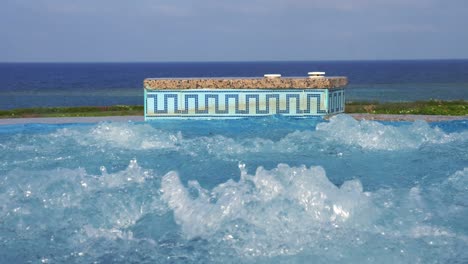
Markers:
<point>245,83</point>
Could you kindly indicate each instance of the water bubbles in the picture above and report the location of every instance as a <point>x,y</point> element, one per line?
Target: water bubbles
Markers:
<point>339,211</point>
<point>263,201</point>
<point>133,164</point>
<point>84,184</point>
<point>118,192</point>
<point>377,136</point>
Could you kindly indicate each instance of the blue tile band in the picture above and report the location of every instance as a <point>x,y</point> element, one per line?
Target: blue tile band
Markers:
<point>227,103</point>
<point>336,101</point>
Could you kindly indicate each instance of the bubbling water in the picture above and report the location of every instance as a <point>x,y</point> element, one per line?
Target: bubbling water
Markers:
<point>374,135</point>
<point>368,192</point>
<point>285,211</point>
<point>297,210</point>
<point>274,212</point>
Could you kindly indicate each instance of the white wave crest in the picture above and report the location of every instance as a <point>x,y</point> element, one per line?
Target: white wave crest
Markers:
<point>341,129</point>
<point>375,135</point>
<point>122,135</point>
<point>273,211</point>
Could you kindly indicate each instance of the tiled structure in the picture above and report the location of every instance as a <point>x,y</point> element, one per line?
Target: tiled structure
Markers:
<point>248,97</point>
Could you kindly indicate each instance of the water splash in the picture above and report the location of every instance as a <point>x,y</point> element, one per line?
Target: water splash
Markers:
<point>77,194</point>
<point>340,130</point>
<point>44,200</point>
<point>123,135</point>
<point>375,135</point>
<point>270,213</point>
<point>288,210</point>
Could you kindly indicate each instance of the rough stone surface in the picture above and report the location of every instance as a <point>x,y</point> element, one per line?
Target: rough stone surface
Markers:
<point>246,83</point>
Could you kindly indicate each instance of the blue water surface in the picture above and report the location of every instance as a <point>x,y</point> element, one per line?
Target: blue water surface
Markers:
<point>79,84</point>
<point>270,190</point>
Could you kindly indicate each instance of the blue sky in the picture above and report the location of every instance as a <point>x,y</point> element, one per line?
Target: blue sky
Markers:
<point>242,30</point>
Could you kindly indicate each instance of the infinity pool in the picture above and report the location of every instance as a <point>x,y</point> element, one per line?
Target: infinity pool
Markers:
<point>271,190</point>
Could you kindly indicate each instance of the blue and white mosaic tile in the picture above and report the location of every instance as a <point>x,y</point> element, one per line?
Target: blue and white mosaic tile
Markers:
<point>336,101</point>
<point>235,103</point>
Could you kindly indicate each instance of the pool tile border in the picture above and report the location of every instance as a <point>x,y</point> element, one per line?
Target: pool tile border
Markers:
<point>238,103</point>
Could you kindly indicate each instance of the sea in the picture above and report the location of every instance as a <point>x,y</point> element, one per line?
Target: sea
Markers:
<point>24,85</point>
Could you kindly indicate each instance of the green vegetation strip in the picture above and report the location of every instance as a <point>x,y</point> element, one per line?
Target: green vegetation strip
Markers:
<point>81,111</point>
<point>433,107</point>
<point>453,108</point>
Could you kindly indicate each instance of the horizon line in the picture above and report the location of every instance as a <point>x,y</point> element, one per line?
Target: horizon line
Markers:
<point>232,61</point>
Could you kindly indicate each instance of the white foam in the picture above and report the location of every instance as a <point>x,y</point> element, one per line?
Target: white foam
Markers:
<point>341,129</point>
<point>123,135</point>
<point>289,209</point>
<point>293,211</point>
<point>61,190</point>
<point>284,211</point>
<point>375,135</point>
<point>281,210</point>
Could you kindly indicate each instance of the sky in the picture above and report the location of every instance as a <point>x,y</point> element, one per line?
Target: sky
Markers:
<point>236,30</point>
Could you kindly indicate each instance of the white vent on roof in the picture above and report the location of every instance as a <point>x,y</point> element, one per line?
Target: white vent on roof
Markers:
<point>272,76</point>
<point>316,74</point>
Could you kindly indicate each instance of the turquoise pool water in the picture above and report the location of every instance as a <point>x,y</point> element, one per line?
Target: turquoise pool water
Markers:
<point>271,190</point>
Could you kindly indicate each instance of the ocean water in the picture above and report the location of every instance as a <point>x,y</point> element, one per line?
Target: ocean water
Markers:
<point>308,191</point>
<point>68,84</point>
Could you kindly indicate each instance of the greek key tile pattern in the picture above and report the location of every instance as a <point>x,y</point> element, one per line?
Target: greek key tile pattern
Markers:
<point>336,101</point>
<point>231,103</point>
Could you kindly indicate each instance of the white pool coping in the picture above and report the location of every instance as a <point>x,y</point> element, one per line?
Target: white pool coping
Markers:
<point>74,120</point>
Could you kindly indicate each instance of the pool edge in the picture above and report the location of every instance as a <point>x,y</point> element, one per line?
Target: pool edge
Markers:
<point>68,120</point>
